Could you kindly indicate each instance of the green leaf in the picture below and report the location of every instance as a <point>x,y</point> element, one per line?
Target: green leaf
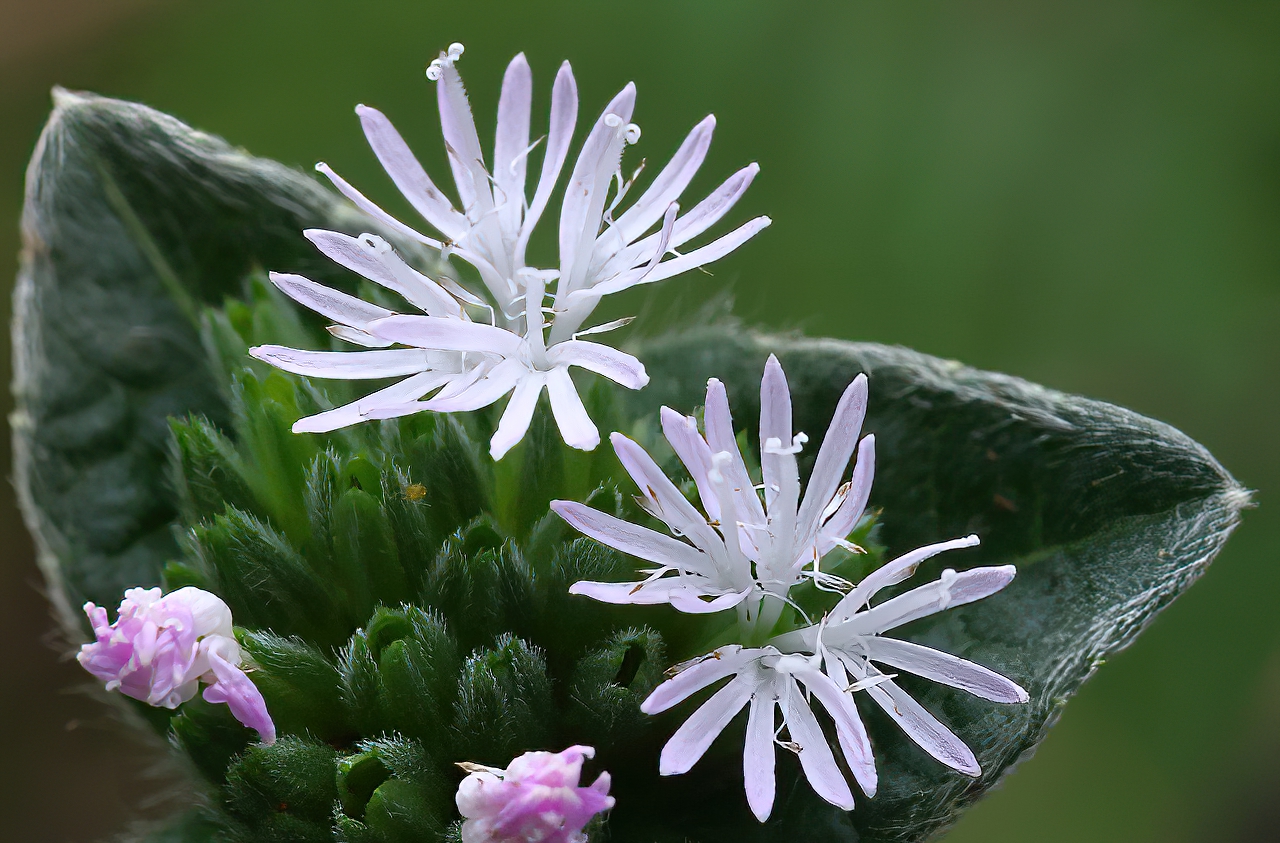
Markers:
<point>302,687</point>
<point>504,704</point>
<point>285,792</point>
<point>132,223</point>
<point>1107,515</point>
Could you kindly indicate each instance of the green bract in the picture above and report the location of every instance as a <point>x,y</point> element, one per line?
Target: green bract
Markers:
<point>405,599</point>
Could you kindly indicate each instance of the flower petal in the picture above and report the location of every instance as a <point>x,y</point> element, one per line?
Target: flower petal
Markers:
<point>339,307</point>
<point>846,517</point>
<point>500,380</point>
<point>243,697</point>
<point>407,173</point>
<point>721,439</point>
<point>571,417</point>
<point>682,432</point>
<point>517,416</point>
<point>921,726</point>
<point>511,144</point>
<point>668,184</point>
<point>838,444</point>
<point>943,667</point>
<point>682,593</point>
<point>816,759</point>
<point>937,596</point>
<point>446,334</point>
<point>891,573</point>
<point>462,144</point>
<point>402,396</point>
<point>758,756</point>
<point>617,366</point>
<point>564,115</point>
<point>641,542</point>
<point>345,365</point>
<point>364,204</point>
<point>849,727</point>
<point>696,734</point>
<point>723,662</point>
<point>373,257</point>
<point>658,490</point>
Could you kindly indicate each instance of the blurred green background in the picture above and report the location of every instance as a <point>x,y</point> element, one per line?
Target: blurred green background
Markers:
<point>1086,195</point>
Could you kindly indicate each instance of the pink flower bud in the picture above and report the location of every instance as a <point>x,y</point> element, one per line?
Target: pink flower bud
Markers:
<point>537,798</point>
<point>161,647</point>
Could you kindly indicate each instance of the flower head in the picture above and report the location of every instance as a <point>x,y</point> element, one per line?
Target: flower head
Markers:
<point>744,548</point>
<point>162,647</point>
<point>536,798</point>
<point>528,345</point>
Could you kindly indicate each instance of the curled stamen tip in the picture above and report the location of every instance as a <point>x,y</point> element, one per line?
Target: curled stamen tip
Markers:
<point>456,50</point>
<point>632,133</point>
<point>612,120</point>
<point>436,69</point>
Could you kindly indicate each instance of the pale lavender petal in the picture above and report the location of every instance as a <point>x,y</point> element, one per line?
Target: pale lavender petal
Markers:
<point>617,366</point>
<point>682,432</point>
<point>364,204</point>
<point>462,143</point>
<point>891,573</point>
<point>407,173</point>
<point>676,591</point>
<point>922,727</point>
<point>944,668</point>
<point>498,382</point>
<point>713,251</point>
<point>725,661</point>
<point>345,365</point>
<point>571,417</point>
<point>838,444</point>
<point>632,539</point>
<point>517,416</point>
<point>339,307</point>
<point>720,437</point>
<point>758,756</point>
<point>583,205</point>
<point>846,517</point>
<point>669,184</point>
<point>564,115</point>
<point>511,143</point>
<point>775,423</point>
<point>849,728</point>
<point>373,257</point>
<point>402,396</point>
<point>355,336</point>
<point>816,760</point>
<point>674,509</point>
<point>243,697</point>
<point>696,734</point>
<point>446,334</point>
<point>951,590</point>
<point>690,600</point>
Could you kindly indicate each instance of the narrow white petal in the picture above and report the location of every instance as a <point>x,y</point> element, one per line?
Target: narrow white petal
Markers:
<point>402,395</point>
<point>407,173</point>
<point>713,251</point>
<point>571,417</point>
<point>462,144</point>
<point>937,596</point>
<point>690,224</point>
<point>564,115</point>
<point>617,366</point>
<point>841,524</point>
<point>499,380</point>
<point>891,573</point>
<point>682,593</point>
<point>852,734</point>
<point>584,199</point>
<point>344,365</point>
<point>921,726</point>
<point>373,257</point>
<point>696,734</point>
<point>689,599</point>
<point>511,144</point>
<point>517,416</point>
<point>720,436</point>
<point>632,539</point>
<point>682,432</point>
<point>838,444</point>
<point>816,760</point>
<point>777,464</point>
<point>659,491</point>
<point>446,334</point>
<point>357,336</point>
<point>945,668</point>
<point>669,184</point>
<point>758,756</point>
<point>725,661</point>
<point>364,204</point>
<point>339,307</point>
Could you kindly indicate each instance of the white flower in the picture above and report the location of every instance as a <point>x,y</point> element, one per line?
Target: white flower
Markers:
<point>850,640</point>
<point>522,351</point>
<point>769,681</point>
<point>742,550</point>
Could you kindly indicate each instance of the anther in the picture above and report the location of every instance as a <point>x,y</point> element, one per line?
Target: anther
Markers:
<point>632,133</point>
